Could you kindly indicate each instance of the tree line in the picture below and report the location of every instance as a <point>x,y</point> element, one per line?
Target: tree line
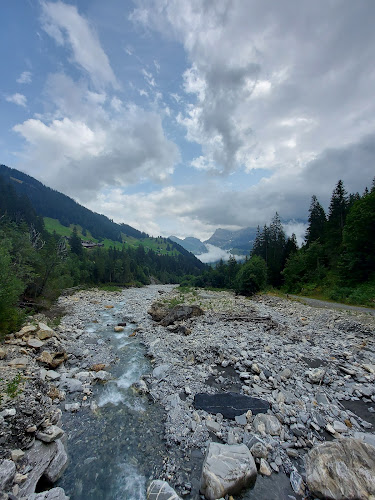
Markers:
<point>336,261</point>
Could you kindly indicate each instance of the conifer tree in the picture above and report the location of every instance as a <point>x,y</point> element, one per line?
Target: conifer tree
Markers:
<point>317,221</point>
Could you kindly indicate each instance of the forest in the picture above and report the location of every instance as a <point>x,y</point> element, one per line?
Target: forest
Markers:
<point>336,261</point>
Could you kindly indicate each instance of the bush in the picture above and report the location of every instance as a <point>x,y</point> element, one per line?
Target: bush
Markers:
<point>252,276</point>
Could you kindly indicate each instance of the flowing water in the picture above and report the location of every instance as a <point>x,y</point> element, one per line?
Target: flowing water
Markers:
<point>115,451</point>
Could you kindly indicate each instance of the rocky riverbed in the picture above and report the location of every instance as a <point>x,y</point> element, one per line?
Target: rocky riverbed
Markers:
<point>314,369</point>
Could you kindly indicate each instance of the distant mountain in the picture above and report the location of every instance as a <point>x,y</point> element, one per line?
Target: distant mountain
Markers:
<point>191,244</point>
<point>50,203</point>
<point>240,242</point>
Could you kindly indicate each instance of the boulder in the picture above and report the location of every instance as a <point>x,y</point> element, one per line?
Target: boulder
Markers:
<point>53,494</point>
<point>3,353</point>
<point>17,455</point>
<point>227,469</point>
<point>45,332</point>
<point>38,458</point>
<point>158,311</point>
<point>35,343</point>
<point>98,367</point>
<point>315,375</point>
<point>52,359</point>
<point>102,376</point>
<point>50,434</point>
<point>160,490</point>
<point>71,385</point>
<point>181,313</point>
<point>160,371</point>
<point>341,470</point>
<point>118,329</point>
<point>19,362</point>
<point>7,472</point>
<point>229,404</point>
<point>267,423</point>
<point>58,463</point>
<point>26,330</point>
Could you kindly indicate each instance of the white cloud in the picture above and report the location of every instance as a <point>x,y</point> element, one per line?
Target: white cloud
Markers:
<point>18,99</point>
<point>83,146</point>
<point>68,28</point>
<point>24,77</point>
<point>214,254</point>
<point>149,78</point>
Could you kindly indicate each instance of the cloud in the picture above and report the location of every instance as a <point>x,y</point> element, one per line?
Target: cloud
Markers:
<point>18,99</point>
<point>84,146</point>
<point>214,254</point>
<point>24,77</point>
<point>68,28</point>
<point>262,92</point>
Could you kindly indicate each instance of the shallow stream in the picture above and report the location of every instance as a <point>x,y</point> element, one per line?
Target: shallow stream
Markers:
<point>115,451</point>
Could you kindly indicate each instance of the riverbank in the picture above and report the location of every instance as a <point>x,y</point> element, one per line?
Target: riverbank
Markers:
<point>315,368</point>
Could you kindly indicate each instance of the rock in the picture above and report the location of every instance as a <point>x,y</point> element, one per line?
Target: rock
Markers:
<point>8,412</point>
<point>264,468</point>
<point>271,425</point>
<point>258,450</point>
<point>7,472</point>
<point>38,458</point>
<point>98,367</point>
<point>285,374</point>
<point>20,478</point>
<point>109,307</point>
<point>366,437</point>
<point>19,362</point>
<point>102,376</point>
<point>369,368</point>
<point>35,343</point>
<point>45,332</point>
<point>181,313</point>
<point>339,426</point>
<point>72,407</point>
<point>213,426</point>
<point>160,490</point>
<point>52,375</point>
<point>58,463</point>
<point>32,428</point>
<point>71,385</point>
<point>140,387</point>
<point>315,375</point>
<point>255,368</point>
<point>17,455</point>
<point>160,371</point>
<point>50,434</point>
<point>229,404</point>
<point>227,469</point>
<point>53,494</point>
<point>3,353</point>
<point>118,329</point>
<point>341,469</point>
<point>241,419</point>
<point>297,483</point>
<point>52,359</point>
<point>158,311</point>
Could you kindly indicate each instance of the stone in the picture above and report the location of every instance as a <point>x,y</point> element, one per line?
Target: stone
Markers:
<point>102,376</point>
<point>20,478</point>
<point>297,483</point>
<point>181,313</point>
<point>50,434</point>
<point>315,375</point>
<point>53,494</point>
<point>339,426</point>
<point>259,450</point>
<point>140,387</point>
<point>227,469</point>
<point>161,371</point>
<point>369,368</point>
<point>285,374</point>
<point>8,412</point>
<point>72,407</point>
<point>3,353</point>
<point>160,490</point>
<point>271,425</point>
<point>341,469</point>
<point>35,343</point>
<point>213,426</point>
<point>241,419</point>
<point>58,464</point>
<point>45,332</point>
<point>17,455</point>
<point>158,311</point>
<point>264,468</point>
<point>52,375</point>
<point>366,437</point>
<point>7,472</point>
<point>71,385</point>
<point>52,359</point>
<point>38,457</point>
<point>118,329</point>
<point>19,362</point>
<point>98,367</point>
<point>229,404</point>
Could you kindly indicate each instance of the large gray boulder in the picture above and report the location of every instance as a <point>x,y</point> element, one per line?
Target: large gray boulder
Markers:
<point>160,490</point>
<point>7,471</point>
<point>58,465</point>
<point>227,469</point>
<point>54,494</point>
<point>267,423</point>
<point>341,470</point>
<point>180,313</point>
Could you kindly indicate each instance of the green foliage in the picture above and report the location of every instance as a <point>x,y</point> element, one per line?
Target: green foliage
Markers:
<point>12,388</point>
<point>252,277</point>
<point>317,222</point>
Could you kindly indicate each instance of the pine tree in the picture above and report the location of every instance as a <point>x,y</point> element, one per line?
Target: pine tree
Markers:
<point>75,243</point>
<point>317,221</point>
<point>338,209</point>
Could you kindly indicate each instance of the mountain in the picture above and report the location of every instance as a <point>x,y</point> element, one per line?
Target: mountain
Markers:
<point>191,244</point>
<point>240,242</point>
<point>50,203</point>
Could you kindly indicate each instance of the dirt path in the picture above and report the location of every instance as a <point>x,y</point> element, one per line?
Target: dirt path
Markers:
<point>331,305</point>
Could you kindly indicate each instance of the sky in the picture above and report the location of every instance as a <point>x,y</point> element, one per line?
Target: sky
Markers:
<point>182,117</point>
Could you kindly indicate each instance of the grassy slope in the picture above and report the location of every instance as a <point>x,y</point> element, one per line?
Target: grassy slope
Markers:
<point>156,244</point>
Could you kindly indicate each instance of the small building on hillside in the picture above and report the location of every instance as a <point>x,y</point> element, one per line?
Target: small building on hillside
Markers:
<point>91,244</point>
